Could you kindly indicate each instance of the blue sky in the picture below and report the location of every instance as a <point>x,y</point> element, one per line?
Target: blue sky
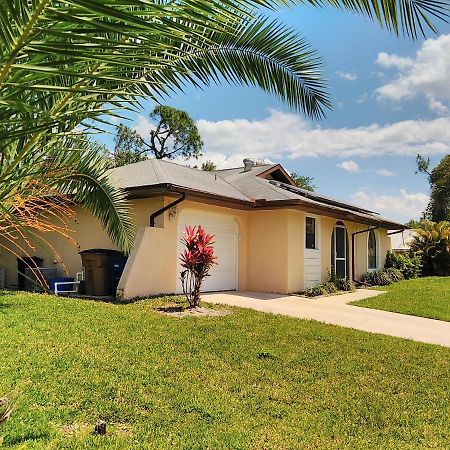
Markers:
<point>391,100</point>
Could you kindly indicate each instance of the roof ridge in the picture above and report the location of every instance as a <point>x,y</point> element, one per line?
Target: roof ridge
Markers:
<point>160,173</point>
<point>242,167</point>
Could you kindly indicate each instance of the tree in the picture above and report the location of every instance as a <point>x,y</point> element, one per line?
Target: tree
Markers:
<point>303,181</point>
<point>39,195</point>
<point>438,208</point>
<point>66,67</point>
<point>127,147</point>
<point>432,244</point>
<point>175,134</point>
<point>209,166</point>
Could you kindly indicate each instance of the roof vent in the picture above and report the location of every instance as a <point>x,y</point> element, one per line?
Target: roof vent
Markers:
<point>248,164</point>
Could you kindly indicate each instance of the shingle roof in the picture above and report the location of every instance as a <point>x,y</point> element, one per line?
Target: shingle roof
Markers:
<point>156,171</point>
<point>233,184</point>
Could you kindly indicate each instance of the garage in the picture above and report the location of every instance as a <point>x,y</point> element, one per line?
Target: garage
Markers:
<point>224,275</point>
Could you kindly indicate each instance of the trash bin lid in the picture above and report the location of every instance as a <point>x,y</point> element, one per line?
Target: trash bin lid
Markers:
<point>101,251</point>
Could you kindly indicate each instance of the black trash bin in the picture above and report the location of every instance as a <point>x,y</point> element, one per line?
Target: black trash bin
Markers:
<point>100,271</point>
<point>118,264</point>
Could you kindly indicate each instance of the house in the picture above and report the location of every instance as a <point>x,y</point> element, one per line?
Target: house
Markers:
<point>401,242</point>
<point>270,235</point>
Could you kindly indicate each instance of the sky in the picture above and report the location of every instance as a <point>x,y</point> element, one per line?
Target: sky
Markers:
<point>391,100</point>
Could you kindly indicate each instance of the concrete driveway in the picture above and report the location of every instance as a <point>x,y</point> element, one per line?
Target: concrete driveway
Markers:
<point>335,310</point>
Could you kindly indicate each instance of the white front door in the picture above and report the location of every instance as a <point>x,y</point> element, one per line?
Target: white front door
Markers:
<point>312,251</point>
<point>224,274</point>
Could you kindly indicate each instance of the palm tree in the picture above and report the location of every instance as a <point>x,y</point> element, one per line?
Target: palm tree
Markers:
<point>40,195</point>
<point>66,66</point>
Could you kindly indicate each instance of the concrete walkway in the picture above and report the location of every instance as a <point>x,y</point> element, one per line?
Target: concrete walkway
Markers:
<point>335,310</point>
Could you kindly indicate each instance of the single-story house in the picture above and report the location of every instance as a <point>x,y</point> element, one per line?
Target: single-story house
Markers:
<point>270,235</point>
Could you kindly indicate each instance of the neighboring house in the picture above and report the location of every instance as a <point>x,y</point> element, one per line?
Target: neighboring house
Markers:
<point>401,242</point>
<point>269,235</point>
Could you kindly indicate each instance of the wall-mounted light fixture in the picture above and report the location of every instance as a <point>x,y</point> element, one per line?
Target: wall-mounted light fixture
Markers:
<point>173,213</point>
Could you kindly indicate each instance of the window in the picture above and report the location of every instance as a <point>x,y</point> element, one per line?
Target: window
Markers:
<point>339,251</point>
<point>372,250</point>
<point>310,232</point>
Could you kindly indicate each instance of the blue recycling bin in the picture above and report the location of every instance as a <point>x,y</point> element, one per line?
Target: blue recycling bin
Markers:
<point>64,287</point>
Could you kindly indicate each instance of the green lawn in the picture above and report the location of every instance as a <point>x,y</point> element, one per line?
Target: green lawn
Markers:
<point>247,380</point>
<point>424,297</point>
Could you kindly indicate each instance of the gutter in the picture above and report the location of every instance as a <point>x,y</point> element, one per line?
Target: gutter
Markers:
<point>367,230</point>
<point>165,208</point>
<point>397,231</point>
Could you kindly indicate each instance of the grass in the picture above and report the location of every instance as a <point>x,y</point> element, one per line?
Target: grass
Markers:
<point>244,381</point>
<point>424,297</point>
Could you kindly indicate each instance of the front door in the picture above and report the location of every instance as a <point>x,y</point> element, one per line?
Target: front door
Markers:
<point>339,251</point>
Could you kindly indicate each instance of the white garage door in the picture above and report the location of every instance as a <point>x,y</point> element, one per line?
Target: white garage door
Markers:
<point>225,230</point>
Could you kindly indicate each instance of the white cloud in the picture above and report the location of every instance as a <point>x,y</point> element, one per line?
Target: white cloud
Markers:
<point>349,166</point>
<point>437,106</point>
<point>398,62</point>
<point>428,74</point>
<point>144,126</point>
<point>385,173</point>
<point>403,206</point>
<point>285,135</point>
<point>349,76</point>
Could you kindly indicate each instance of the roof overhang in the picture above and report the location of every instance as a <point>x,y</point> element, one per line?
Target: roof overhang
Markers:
<point>330,211</point>
<point>171,190</point>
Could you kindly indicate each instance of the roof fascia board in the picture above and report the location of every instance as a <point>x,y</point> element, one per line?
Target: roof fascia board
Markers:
<point>167,189</point>
<point>275,168</point>
<point>328,211</point>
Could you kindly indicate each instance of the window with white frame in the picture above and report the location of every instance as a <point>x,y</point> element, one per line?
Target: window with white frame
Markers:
<point>310,233</point>
<point>372,257</point>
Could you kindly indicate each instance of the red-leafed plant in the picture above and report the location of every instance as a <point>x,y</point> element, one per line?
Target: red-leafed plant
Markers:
<point>197,260</point>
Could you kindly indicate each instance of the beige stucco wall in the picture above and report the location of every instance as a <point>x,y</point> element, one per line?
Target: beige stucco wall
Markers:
<point>152,267</point>
<point>86,232</point>
<point>275,246</point>
<point>270,250</point>
<point>360,252</point>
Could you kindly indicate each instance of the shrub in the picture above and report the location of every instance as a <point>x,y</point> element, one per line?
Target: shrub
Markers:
<point>394,274</point>
<point>342,284</point>
<point>409,265</point>
<point>321,289</point>
<point>331,286</point>
<point>197,260</point>
<point>345,284</point>
<point>382,277</point>
<point>432,245</point>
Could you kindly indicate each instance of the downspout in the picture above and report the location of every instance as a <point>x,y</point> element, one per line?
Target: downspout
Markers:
<point>353,247</point>
<point>165,208</point>
<point>396,232</point>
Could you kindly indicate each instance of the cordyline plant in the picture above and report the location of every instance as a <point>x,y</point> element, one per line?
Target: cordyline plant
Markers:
<point>197,260</point>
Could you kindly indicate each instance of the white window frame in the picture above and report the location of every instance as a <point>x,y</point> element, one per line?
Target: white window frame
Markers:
<point>338,225</point>
<point>377,251</point>
<point>316,237</point>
